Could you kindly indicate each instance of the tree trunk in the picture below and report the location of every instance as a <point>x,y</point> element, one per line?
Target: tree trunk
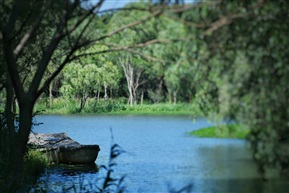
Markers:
<point>170,97</point>
<point>19,146</point>
<point>175,97</point>
<point>141,98</point>
<point>130,98</point>
<point>132,75</point>
<point>95,99</point>
<point>82,103</point>
<point>105,91</point>
<point>50,95</point>
<point>9,103</point>
<point>134,96</point>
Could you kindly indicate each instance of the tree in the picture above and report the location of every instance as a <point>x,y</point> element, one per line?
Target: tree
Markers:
<point>30,34</point>
<point>87,77</point>
<point>244,70</point>
<point>18,36</point>
<point>173,56</point>
<point>172,81</point>
<point>80,81</point>
<point>132,75</point>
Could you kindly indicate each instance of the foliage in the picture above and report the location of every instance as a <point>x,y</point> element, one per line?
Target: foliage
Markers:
<point>155,95</point>
<point>222,131</point>
<point>244,72</point>
<point>86,78</point>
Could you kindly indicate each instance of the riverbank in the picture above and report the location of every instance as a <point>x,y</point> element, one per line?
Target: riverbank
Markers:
<point>222,131</point>
<point>114,107</point>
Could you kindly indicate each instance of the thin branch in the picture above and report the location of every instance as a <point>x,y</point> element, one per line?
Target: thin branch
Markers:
<point>83,31</point>
<point>74,48</point>
<point>187,7</point>
<point>13,17</point>
<point>222,22</point>
<point>7,34</point>
<point>89,12</point>
<point>144,56</point>
<point>58,35</point>
<point>226,20</point>
<point>29,34</point>
<point>188,23</point>
<point>54,74</point>
<point>144,19</point>
<point>30,11</point>
<point>124,9</point>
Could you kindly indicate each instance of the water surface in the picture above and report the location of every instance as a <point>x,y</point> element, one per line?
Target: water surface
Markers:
<point>160,154</point>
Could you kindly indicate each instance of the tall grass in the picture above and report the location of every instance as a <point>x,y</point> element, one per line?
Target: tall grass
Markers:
<point>34,165</point>
<point>113,106</point>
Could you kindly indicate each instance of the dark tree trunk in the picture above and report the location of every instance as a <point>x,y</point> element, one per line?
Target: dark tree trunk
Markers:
<point>19,146</point>
<point>82,103</point>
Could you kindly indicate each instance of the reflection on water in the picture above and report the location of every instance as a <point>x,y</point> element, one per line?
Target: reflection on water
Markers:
<point>159,155</point>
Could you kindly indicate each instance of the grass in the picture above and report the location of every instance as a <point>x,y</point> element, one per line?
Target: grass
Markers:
<point>113,107</point>
<point>222,131</point>
<point>34,165</point>
<point>156,109</point>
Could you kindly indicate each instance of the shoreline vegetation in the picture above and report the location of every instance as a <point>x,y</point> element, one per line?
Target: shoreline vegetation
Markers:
<point>232,131</point>
<point>113,107</point>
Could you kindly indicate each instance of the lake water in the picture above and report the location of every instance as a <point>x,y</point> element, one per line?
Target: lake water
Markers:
<point>158,155</point>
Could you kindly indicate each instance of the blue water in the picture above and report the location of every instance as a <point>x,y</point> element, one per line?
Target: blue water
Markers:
<point>159,154</point>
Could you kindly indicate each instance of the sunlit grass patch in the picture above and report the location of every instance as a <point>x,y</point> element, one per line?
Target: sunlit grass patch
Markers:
<point>222,131</point>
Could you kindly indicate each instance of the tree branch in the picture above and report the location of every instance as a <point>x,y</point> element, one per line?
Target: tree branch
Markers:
<point>114,48</point>
<point>144,56</point>
<point>222,22</point>
<point>58,36</point>
<point>30,32</point>
<point>75,47</point>
<point>13,17</point>
<point>35,2</point>
<point>89,12</point>
<point>144,19</point>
